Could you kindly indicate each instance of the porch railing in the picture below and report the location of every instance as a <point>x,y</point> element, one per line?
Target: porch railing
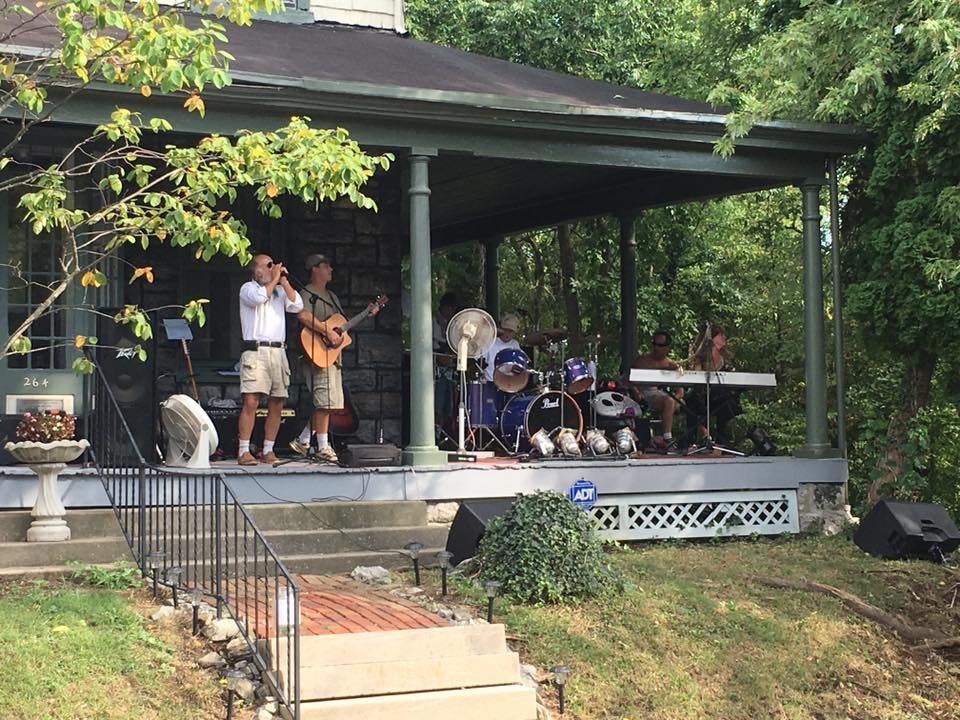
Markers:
<point>186,530</point>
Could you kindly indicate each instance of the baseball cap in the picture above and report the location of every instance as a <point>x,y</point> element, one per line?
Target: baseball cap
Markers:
<point>315,259</point>
<point>509,321</point>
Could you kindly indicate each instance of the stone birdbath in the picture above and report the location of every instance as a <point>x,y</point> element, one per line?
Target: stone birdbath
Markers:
<point>47,459</point>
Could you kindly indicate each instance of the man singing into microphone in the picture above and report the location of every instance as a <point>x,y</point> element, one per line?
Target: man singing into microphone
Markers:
<point>264,370</point>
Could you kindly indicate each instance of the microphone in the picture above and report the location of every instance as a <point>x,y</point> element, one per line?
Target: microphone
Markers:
<point>284,274</point>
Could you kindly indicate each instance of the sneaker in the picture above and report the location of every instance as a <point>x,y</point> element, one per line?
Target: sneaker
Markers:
<point>328,454</point>
<point>247,459</point>
<point>299,447</point>
<point>270,458</point>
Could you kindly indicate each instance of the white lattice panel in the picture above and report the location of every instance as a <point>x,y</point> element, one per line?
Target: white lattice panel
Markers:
<point>696,514</point>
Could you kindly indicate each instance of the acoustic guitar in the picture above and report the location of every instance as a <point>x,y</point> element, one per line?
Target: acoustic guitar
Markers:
<point>319,350</point>
<point>345,421</point>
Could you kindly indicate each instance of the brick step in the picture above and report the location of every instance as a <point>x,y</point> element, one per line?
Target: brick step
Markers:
<point>317,651</point>
<point>304,542</point>
<point>507,702</point>
<point>86,550</point>
<point>92,523</point>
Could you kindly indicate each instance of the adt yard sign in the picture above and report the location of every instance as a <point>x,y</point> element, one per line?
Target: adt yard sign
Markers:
<point>583,494</point>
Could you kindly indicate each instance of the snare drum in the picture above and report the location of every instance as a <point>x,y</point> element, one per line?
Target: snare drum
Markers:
<point>511,370</point>
<point>576,376</point>
<point>481,403</point>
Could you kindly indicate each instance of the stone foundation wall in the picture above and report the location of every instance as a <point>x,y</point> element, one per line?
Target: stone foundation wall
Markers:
<point>823,508</point>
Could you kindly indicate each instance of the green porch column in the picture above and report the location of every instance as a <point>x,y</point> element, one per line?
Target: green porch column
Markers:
<point>817,445</point>
<point>422,449</point>
<point>491,276</point>
<point>628,289</point>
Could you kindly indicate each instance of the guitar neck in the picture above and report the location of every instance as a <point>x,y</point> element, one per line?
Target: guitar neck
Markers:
<point>355,320</point>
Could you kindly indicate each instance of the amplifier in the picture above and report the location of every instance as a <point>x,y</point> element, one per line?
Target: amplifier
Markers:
<point>225,421</point>
<point>370,456</point>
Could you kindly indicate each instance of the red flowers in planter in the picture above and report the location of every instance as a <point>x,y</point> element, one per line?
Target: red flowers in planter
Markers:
<point>49,426</point>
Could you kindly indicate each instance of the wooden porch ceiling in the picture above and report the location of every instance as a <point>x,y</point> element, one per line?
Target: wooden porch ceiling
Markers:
<point>476,198</point>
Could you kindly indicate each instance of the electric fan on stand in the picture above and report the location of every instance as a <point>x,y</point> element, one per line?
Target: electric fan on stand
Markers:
<point>470,333</point>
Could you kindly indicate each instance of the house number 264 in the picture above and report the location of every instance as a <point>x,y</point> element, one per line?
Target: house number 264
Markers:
<point>35,382</point>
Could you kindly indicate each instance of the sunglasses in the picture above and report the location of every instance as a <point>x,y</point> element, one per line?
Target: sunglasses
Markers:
<point>656,344</point>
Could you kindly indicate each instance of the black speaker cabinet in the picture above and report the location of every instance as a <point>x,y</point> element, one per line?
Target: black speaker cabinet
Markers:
<point>376,455</point>
<point>470,525</point>
<point>131,381</point>
<point>907,530</point>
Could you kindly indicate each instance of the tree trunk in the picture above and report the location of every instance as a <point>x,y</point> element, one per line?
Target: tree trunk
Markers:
<point>914,395</point>
<point>567,271</point>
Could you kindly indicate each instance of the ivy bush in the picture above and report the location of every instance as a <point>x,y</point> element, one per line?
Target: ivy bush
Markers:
<point>546,550</point>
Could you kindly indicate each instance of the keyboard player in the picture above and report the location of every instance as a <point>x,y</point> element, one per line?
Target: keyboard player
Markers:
<point>659,401</point>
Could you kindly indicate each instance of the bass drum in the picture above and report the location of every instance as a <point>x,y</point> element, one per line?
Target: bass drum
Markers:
<point>524,415</point>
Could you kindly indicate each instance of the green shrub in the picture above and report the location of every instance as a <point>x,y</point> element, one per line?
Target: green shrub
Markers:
<point>118,576</point>
<point>546,550</point>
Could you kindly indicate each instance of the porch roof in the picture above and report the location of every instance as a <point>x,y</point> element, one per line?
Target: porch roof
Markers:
<point>516,147</point>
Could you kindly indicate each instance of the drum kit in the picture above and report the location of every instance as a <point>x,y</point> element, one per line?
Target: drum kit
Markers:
<point>556,412</point>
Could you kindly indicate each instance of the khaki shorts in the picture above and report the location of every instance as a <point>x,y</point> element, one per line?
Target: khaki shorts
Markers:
<point>327,384</point>
<point>656,398</point>
<point>265,371</point>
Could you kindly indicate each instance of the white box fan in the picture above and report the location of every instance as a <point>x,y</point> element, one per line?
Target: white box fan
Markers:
<point>191,436</point>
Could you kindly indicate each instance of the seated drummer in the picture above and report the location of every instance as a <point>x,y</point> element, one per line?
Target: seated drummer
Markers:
<point>506,338</point>
<point>656,399</point>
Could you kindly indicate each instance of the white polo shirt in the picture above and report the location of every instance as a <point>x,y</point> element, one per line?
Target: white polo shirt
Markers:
<point>491,355</point>
<point>262,318</point>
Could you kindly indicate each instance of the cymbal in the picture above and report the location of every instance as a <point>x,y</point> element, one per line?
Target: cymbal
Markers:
<point>545,337</point>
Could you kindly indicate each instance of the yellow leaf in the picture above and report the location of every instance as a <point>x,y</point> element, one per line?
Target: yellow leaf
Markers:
<point>144,272</point>
<point>161,233</point>
<point>272,190</point>
<point>145,90</point>
<point>194,102</point>
<point>79,341</point>
<point>60,629</point>
<point>90,278</point>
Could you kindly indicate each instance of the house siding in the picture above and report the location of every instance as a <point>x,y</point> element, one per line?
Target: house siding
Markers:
<point>380,14</point>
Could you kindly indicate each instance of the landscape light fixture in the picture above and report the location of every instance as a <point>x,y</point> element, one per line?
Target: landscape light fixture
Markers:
<point>233,678</point>
<point>196,595</point>
<point>414,549</point>
<point>491,586</point>
<point>173,580</point>
<point>444,556</point>
<point>560,675</point>
<point>154,560</point>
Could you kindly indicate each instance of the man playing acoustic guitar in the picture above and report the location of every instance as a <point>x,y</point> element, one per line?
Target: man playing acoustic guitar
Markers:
<point>326,383</point>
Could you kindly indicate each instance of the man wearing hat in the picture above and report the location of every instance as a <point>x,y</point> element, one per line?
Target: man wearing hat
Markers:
<point>326,384</point>
<point>506,338</point>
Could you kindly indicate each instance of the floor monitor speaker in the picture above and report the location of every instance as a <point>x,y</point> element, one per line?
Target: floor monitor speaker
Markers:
<point>907,530</point>
<point>470,525</point>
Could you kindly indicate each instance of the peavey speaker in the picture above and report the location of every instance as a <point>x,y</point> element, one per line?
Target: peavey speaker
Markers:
<point>470,525</point>
<point>376,455</point>
<point>907,530</point>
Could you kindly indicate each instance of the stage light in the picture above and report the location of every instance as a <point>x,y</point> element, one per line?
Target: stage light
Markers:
<point>414,549</point>
<point>560,675</point>
<point>491,586</point>
<point>444,557</point>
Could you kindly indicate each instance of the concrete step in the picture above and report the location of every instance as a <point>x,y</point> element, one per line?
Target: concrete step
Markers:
<point>339,563</point>
<point>345,515</point>
<point>508,702</point>
<point>318,651</point>
<point>86,550</point>
<point>406,676</point>
<point>98,522</point>
<point>305,542</point>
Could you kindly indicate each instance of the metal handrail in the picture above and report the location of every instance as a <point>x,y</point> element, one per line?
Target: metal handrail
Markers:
<point>194,521</point>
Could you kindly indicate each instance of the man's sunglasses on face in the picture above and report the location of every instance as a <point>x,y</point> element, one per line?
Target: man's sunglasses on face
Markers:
<point>656,344</point>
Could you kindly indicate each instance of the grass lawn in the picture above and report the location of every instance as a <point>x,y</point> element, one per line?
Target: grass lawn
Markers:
<point>694,637</point>
<point>76,653</point>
